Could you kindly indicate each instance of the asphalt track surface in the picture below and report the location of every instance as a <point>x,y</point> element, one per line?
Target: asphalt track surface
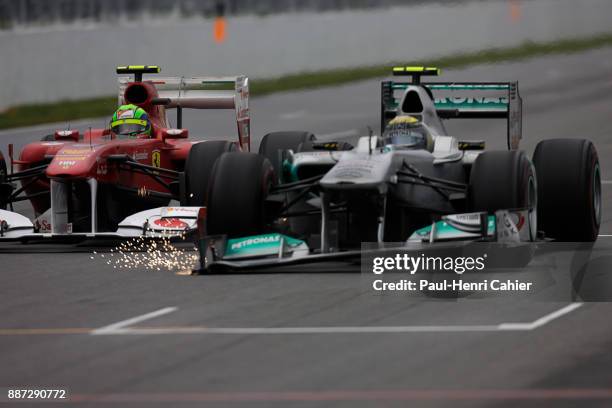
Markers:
<point>137,337</point>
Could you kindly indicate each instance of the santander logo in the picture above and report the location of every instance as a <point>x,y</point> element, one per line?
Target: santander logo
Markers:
<point>173,223</point>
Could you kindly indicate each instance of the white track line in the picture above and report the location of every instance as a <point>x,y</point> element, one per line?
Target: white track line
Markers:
<point>555,315</point>
<point>121,327</point>
<point>301,330</point>
<point>542,320</point>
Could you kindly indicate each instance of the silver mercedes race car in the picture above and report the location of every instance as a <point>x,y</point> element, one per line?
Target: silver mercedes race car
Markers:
<point>301,200</point>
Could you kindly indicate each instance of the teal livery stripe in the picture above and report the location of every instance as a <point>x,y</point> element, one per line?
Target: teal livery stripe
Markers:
<point>486,104</point>
<point>466,87</point>
<point>460,87</point>
<point>259,244</point>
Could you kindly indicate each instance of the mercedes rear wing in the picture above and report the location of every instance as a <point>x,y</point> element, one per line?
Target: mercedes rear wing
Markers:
<point>456,100</point>
<point>196,93</point>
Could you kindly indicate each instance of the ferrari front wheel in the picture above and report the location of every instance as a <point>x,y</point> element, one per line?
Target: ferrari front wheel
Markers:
<point>198,168</point>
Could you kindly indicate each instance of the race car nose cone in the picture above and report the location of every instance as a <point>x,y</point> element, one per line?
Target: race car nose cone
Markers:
<point>74,161</point>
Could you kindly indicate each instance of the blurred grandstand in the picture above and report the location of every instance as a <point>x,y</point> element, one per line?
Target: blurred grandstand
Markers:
<point>26,13</point>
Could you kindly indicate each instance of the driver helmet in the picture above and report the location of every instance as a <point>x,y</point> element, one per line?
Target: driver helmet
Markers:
<point>130,121</point>
<point>407,132</point>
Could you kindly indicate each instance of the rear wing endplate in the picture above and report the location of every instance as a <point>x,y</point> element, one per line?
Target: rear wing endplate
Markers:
<point>204,93</point>
<point>467,106</point>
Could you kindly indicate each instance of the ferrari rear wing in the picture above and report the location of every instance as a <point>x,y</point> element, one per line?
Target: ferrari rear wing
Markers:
<point>201,93</point>
<point>456,100</point>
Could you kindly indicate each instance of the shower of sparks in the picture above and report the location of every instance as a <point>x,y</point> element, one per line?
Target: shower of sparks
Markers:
<point>151,254</point>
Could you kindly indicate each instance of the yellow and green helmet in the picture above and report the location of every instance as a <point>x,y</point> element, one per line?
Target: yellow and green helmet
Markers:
<point>130,121</point>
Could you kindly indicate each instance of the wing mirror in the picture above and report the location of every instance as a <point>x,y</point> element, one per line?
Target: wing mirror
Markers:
<point>175,134</point>
<point>66,135</point>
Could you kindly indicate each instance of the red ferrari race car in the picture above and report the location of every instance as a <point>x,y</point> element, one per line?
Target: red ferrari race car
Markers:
<point>118,181</point>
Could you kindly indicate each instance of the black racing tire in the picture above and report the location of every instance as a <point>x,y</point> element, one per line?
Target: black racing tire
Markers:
<point>274,142</point>
<point>3,168</point>
<point>198,169</point>
<point>569,189</point>
<point>239,185</point>
<point>48,138</point>
<point>5,189</point>
<point>500,180</point>
<point>504,179</point>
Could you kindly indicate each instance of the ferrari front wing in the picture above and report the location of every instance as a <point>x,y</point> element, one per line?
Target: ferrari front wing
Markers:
<point>161,222</point>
